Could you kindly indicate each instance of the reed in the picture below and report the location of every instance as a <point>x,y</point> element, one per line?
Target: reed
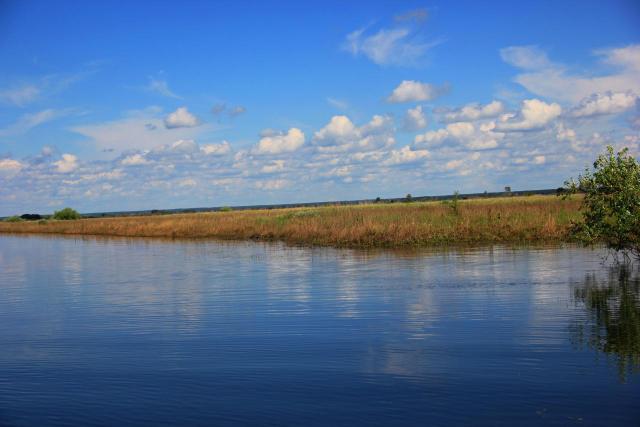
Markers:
<point>533,219</point>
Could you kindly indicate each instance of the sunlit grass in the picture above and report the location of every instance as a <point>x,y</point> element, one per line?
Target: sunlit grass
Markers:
<point>494,220</point>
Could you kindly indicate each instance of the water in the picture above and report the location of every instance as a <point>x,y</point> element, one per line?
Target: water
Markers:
<point>139,332</point>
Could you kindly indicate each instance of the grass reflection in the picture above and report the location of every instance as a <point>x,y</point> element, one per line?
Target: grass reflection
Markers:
<point>612,322</point>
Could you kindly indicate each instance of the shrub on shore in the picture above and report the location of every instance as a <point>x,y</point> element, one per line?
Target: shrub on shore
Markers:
<point>66,214</point>
<point>14,218</point>
<point>611,204</point>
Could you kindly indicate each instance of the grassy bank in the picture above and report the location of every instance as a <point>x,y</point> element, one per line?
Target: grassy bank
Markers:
<point>533,219</point>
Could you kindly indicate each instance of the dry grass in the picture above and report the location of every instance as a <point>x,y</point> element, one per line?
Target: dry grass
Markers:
<point>499,220</point>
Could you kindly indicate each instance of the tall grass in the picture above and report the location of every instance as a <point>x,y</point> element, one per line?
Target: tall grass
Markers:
<point>499,220</point>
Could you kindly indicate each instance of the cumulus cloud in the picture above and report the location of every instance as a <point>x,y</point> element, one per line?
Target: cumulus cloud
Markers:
<point>473,112</point>
<point>340,134</point>
<point>187,182</point>
<point>185,146</point>
<point>414,91</point>
<point>605,103</point>
<point>543,77</point>
<point>280,143</point>
<point>216,149</point>
<point>271,184</point>
<point>396,46</point>
<point>68,163</point>
<point>134,160</point>
<point>406,155</point>
<point>181,118</point>
<point>534,114</point>
<point>415,119</point>
<point>564,133</point>
<point>10,166</point>
<point>469,135</point>
<point>273,167</point>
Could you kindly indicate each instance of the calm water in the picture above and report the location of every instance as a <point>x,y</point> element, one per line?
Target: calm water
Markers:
<point>138,332</point>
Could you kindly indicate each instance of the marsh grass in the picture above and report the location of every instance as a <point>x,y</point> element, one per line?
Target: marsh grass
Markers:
<point>499,220</point>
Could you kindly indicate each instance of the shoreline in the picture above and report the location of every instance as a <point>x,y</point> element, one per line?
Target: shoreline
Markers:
<point>509,220</point>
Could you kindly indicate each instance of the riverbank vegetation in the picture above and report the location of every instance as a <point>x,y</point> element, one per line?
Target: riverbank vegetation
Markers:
<point>611,207</point>
<point>532,219</point>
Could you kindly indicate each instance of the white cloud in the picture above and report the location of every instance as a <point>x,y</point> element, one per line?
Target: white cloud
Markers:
<point>432,137</point>
<point>539,160</point>
<point>565,134</point>
<point>406,155</point>
<point>398,46</point>
<point>340,135</point>
<point>187,182</point>
<point>270,185</point>
<point>453,164</point>
<point>134,160</point>
<point>184,146</point>
<point>605,103</point>
<point>280,143</point>
<point>415,119</point>
<point>473,137</point>
<point>29,121</point>
<point>161,87</point>
<point>473,112</point>
<point>273,167</point>
<point>414,91</point>
<point>525,57</point>
<point>9,166</point>
<point>141,130</point>
<point>534,114</point>
<point>20,95</point>
<point>545,78</point>
<point>67,164</point>
<point>216,149</point>
<point>181,118</point>
<point>338,103</point>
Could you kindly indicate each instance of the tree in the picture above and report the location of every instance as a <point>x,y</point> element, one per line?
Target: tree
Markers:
<point>65,214</point>
<point>611,205</point>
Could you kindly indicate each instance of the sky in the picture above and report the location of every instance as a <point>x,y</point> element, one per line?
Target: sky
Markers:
<point>118,105</point>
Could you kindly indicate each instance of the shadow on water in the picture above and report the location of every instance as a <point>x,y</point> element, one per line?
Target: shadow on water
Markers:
<point>611,324</point>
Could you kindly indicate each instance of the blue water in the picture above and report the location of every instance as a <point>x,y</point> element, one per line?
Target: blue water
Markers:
<point>149,332</point>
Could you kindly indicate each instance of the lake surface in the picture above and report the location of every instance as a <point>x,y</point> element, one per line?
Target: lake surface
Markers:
<point>150,332</point>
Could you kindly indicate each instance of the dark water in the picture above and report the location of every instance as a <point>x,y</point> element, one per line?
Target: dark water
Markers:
<point>136,332</point>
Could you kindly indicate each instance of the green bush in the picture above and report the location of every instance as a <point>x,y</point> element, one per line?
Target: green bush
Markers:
<point>611,206</point>
<point>14,218</point>
<point>66,214</point>
<point>226,209</point>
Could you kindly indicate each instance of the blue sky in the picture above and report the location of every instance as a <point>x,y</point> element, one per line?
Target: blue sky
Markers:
<point>140,105</point>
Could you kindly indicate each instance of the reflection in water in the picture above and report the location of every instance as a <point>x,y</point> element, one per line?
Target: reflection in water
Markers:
<point>612,324</point>
<point>97,331</point>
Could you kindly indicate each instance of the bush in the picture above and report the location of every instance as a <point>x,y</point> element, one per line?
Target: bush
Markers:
<point>14,218</point>
<point>225,209</point>
<point>66,214</point>
<point>611,206</point>
<point>31,217</point>
<point>453,203</point>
